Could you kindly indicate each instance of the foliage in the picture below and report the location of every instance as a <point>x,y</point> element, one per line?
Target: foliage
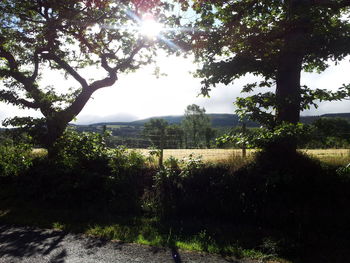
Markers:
<point>85,173</point>
<point>66,37</point>
<point>259,107</point>
<point>263,137</point>
<point>209,134</point>
<point>322,133</point>
<point>275,40</point>
<point>285,203</point>
<point>344,171</point>
<point>162,135</point>
<point>125,162</point>
<point>88,151</point>
<point>15,159</point>
<point>196,125</point>
<point>35,128</point>
<point>156,130</point>
<point>78,149</point>
<point>175,134</point>
<point>172,163</point>
<point>336,127</point>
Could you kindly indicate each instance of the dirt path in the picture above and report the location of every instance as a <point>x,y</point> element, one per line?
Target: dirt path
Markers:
<point>32,245</point>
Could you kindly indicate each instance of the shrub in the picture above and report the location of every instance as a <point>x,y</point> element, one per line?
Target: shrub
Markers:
<point>86,173</point>
<point>344,172</point>
<point>193,189</point>
<point>14,159</point>
<point>172,163</point>
<point>123,161</point>
<point>295,193</point>
<point>86,150</point>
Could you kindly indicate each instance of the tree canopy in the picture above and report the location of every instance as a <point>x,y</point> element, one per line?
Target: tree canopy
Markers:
<point>196,125</point>
<point>275,40</point>
<point>68,36</point>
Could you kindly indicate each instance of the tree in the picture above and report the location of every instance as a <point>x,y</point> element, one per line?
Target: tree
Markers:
<point>332,132</point>
<point>195,124</point>
<point>275,40</point>
<point>67,36</point>
<point>175,136</point>
<point>339,127</point>
<point>209,134</point>
<point>156,131</point>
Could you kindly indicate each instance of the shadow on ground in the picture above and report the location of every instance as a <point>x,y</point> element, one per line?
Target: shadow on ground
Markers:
<point>21,242</point>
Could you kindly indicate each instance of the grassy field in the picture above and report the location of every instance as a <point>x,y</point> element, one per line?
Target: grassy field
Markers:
<point>332,156</point>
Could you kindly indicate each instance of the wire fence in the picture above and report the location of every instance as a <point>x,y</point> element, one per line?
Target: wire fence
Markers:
<point>336,156</point>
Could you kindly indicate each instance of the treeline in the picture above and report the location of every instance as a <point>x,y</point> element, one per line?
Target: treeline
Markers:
<point>195,131</point>
<point>322,133</point>
<point>325,132</point>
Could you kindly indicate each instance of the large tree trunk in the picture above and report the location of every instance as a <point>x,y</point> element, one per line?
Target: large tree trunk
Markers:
<point>57,122</point>
<point>55,129</point>
<point>288,98</point>
<point>288,92</point>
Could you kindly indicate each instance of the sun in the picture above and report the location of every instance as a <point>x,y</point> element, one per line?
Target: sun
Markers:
<point>149,27</point>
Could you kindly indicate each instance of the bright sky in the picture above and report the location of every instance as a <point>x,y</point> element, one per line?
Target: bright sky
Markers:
<point>141,94</point>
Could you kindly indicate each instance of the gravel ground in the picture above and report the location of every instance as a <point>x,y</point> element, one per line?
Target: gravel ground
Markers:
<point>33,245</point>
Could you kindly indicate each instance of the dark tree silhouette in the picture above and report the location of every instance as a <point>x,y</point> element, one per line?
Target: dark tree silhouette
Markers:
<point>272,39</point>
<point>67,36</point>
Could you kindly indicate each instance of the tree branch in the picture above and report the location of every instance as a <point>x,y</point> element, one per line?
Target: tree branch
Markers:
<point>104,62</point>
<point>13,65</point>
<point>36,63</point>
<point>13,99</point>
<point>9,58</point>
<point>63,64</point>
<point>126,62</point>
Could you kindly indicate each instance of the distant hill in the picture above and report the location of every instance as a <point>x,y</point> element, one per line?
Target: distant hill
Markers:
<point>217,120</point>
<point>310,119</point>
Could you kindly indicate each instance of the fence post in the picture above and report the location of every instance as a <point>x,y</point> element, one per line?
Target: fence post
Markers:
<point>244,146</point>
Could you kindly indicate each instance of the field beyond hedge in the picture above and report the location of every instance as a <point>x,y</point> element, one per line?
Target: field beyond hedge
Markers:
<point>333,156</point>
<point>330,156</point>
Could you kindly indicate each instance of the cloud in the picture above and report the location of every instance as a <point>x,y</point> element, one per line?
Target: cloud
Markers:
<point>119,117</point>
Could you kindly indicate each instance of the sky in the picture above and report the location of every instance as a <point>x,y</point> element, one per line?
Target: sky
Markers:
<point>141,94</point>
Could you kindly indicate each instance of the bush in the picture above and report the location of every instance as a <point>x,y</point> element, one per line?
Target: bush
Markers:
<point>86,150</point>
<point>86,173</point>
<point>294,194</point>
<point>193,189</point>
<point>14,159</point>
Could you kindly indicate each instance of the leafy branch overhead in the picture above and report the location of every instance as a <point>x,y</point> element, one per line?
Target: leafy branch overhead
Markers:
<point>272,39</point>
<point>261,106</point>
<point>68,36</point>
<point>275,40</point>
